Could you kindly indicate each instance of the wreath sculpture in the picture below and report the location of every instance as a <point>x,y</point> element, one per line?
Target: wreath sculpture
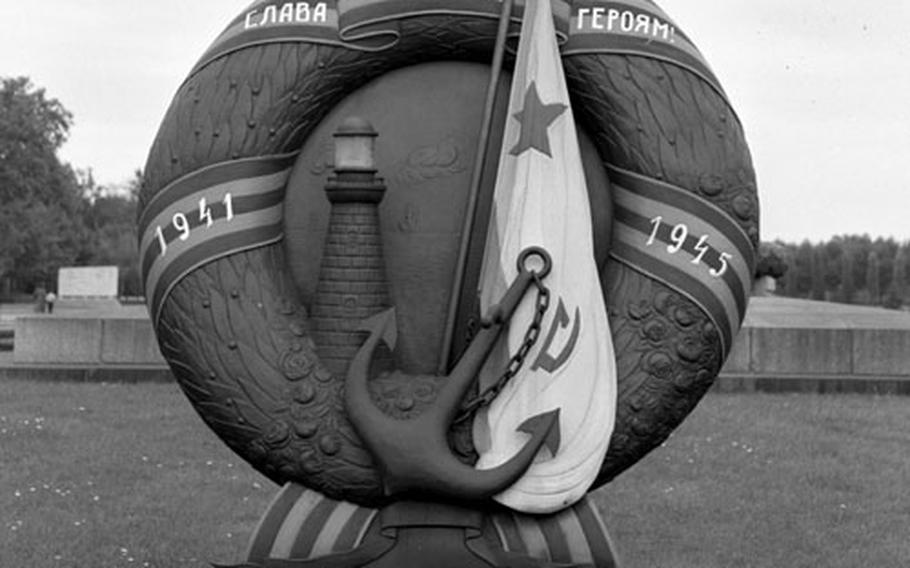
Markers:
<point>229,321</point>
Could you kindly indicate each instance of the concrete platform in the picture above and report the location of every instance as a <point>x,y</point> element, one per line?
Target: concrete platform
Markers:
<point>118,339</point>
<point>81,341</point>
<point>774,311</point>
<point>84,374</point>
<point>793,345</point>
<point>786,345</point>
<point>818,384</point>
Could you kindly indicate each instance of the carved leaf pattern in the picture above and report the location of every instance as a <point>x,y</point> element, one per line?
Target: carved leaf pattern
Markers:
<point>660,120</point>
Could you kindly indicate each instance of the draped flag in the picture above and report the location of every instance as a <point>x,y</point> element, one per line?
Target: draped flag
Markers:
<point>541,200</point>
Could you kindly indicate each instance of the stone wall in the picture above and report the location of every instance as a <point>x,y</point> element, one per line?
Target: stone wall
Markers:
<point>816,352</point>
<point>759,353</point>
<point>86,341</point>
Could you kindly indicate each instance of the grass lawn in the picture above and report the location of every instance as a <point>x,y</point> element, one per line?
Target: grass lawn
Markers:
<point>771,481</point>
<point>97,476</point>
<point>126,475</point>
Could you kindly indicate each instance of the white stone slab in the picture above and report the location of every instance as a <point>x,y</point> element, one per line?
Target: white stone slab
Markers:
<point>99,282</point>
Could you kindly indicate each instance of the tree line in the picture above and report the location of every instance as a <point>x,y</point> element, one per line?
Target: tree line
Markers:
<point>851,269</point>
<point>52,215</point>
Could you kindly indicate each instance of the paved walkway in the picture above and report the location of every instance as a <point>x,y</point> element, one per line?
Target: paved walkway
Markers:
<point>9,312</point>
<point>774,311</point>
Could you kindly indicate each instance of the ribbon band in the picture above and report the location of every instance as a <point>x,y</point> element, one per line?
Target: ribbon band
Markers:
<point>630,27</point>
<point>211,213</point>
<point>686,242</point>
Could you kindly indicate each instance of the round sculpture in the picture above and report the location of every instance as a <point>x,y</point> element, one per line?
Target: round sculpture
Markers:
<point>680,204</point>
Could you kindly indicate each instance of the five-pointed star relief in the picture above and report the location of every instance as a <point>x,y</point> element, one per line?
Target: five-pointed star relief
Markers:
<point>535,118</point>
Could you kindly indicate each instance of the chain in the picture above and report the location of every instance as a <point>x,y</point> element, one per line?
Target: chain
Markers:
<point>517,360</point>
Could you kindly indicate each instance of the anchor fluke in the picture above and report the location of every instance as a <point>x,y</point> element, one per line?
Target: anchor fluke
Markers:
<point>548,422</point>
<point>382,325</point>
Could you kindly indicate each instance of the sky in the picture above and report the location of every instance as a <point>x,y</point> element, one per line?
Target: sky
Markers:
<point>822,88</point>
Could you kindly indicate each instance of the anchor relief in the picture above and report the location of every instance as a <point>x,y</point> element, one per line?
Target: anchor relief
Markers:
<point>413,455</point>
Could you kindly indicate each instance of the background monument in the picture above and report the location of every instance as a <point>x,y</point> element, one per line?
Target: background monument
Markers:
<point>88,283</point>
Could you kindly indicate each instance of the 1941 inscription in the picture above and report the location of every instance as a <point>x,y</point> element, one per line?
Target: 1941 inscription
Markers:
<point>184,225</point>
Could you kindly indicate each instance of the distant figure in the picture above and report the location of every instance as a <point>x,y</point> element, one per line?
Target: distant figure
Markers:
<point>39,295</point>
<point>49,299</point>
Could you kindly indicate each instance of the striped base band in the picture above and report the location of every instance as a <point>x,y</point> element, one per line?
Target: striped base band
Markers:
<point>211,213</point>
<point>686,242</point>
<point>301,525</point>
<point>576,535</point>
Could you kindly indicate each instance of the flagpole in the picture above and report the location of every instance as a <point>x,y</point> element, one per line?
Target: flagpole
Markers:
<point>455,298</point>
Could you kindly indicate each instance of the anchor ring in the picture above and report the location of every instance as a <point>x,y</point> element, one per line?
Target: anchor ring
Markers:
<point>544,257</point>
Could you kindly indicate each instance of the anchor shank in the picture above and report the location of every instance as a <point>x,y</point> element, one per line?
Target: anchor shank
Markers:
<point>468,367</point>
